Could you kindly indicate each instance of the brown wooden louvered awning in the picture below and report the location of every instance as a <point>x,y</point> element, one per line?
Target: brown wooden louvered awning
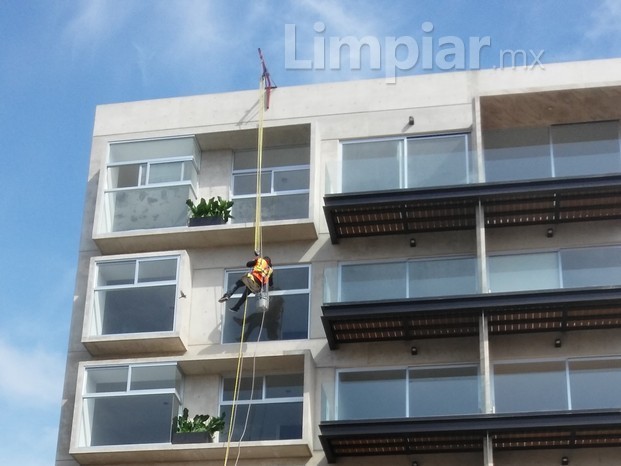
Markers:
<point>407,211</point>
<point>458,316</point>
<point>512,431</point>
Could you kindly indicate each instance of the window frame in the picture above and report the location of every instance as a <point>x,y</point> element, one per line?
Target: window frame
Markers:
<point>86,420</point>
<point>296,291</point>
<point>96,324</point>
<point>109,193</point>
<point>263,400</point>
<point>271,171</point>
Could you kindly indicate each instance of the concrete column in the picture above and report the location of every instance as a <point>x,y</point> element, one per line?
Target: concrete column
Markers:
<point>488,451</point>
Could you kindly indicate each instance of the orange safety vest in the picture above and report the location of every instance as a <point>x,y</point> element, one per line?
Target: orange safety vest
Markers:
<point>261,271</point>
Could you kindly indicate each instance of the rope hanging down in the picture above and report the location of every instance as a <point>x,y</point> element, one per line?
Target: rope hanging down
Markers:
<point>265,86</point>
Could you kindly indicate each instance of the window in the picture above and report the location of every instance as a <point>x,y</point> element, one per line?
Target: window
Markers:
<point>409,279</point>
<point>408,392</point>
<point>557,151</point>
<point>275,405</point>
<point>148,183</point>
<point>406,163</point>
<point>135,296</point>
<point>571,384</point>
<point>285,180</point>
<point>567,268</point>
<point>288,311</point>
<point>129,404</point>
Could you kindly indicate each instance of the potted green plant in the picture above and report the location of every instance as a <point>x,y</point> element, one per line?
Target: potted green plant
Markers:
<point>213,212</point>
<point>200,428</point>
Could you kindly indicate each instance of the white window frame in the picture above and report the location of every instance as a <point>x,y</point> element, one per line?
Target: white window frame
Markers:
<point>238,293</point>
<point>85,419</point>
<point>270,171</point>
<point>263,400</point>
<point>96,313</point>
<point>109,192</point>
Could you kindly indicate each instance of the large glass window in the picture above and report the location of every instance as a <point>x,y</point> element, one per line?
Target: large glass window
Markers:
<point>148,183</point>
<point>134,296</point>
<point>407,279</point>
<point>129,404</point>
<point>408,392</point>
<point>406,163</point>
<point>285,181</point>
<point>267,408</point>
<point>558,151</point>
<point>288,311</point>
<point>573,384</point>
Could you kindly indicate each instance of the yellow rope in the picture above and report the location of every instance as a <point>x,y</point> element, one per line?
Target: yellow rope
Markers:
<point>258,237</point>
<point>258,247</point>
<point>240,364</point>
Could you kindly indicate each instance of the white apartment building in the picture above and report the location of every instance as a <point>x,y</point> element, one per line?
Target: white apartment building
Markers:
<point>447,275</point>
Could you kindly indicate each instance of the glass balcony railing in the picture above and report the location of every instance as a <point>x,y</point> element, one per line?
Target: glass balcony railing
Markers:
<point>147,207</point>
<point>566,268</point>
<point>403,163</point>
<point>557,151</point>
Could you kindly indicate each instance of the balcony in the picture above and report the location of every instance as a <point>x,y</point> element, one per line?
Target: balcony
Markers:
<point>531,431</point>
<point>157,453</point>
<point>154,400</point>
<point>141,204</point>
<point>185,237</point>
<point>504,204</point>
<point>458,316</point>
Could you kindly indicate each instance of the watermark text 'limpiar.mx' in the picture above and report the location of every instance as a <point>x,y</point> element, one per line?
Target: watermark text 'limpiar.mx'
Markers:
<point>400,53</point>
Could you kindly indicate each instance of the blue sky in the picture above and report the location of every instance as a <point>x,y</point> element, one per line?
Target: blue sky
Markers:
<point>60,59</point>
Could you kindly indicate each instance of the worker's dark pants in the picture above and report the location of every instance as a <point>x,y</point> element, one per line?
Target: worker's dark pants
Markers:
<point>238,284</point>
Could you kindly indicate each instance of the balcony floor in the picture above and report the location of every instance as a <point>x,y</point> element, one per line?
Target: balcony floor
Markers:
<point>459,316</point>
<point>528,431</point>
<point>522,203</point>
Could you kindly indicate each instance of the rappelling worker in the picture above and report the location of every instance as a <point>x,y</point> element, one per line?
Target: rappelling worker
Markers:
<point>259,276</point>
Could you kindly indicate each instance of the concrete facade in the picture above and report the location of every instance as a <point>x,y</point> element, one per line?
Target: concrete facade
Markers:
<point>322,117</point>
